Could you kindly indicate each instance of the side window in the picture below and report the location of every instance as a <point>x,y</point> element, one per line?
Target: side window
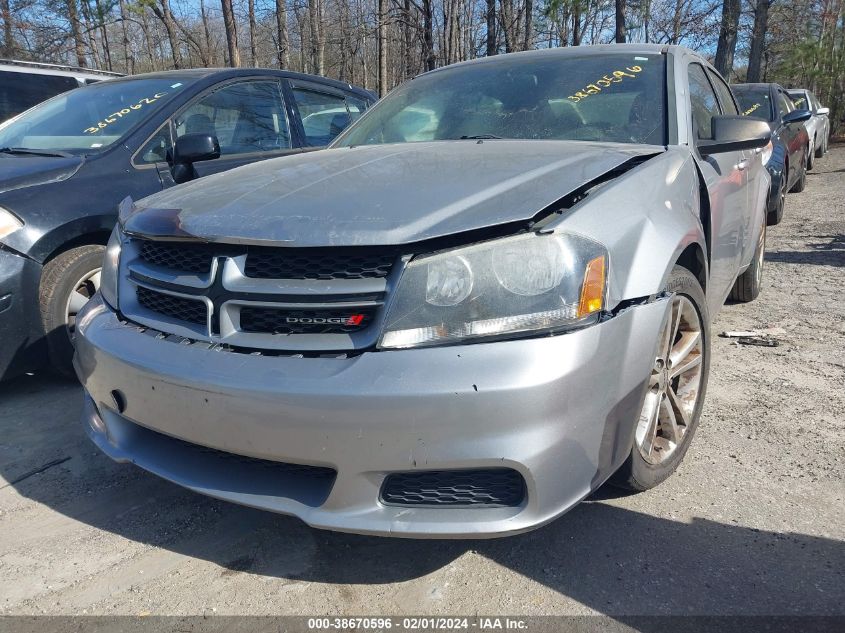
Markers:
<point>323,115</point>
<point>356,107</point>
<point>245,117</point>
<point>724,93</point>
<point>155,151</point>
<point>784,104</point>
<point>703,102</point>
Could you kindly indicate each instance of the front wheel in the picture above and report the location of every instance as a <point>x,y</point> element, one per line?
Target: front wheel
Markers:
<point>67,282</point>
<point>801,183</point>
<point>676,386</point>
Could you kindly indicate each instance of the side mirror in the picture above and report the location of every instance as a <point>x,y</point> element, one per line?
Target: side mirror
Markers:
<point>736,133</point>
<point>823,111</point>
<point>193,148</point>
<point>797,116</point>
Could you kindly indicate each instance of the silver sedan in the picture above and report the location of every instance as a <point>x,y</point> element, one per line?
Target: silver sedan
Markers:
<point>490,296</point>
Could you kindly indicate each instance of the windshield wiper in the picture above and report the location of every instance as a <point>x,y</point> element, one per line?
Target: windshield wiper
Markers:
<point>479,137</point>
<point>35,152</point>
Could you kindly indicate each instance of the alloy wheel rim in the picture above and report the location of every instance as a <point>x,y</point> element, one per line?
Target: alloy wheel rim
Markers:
<point>82,291</point>
<point>674,385</point>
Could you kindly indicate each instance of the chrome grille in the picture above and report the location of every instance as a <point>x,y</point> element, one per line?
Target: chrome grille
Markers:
<point>285,299</point>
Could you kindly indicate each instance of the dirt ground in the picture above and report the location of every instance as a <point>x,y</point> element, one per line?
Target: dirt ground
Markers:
<point>752,523</point>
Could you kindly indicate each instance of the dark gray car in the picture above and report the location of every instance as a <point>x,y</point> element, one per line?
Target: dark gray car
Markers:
<point>491,294</point>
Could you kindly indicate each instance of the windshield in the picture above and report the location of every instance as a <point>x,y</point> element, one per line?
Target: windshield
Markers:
<point>611,97</point>
<point>88,119</point>
<point>755,103</point>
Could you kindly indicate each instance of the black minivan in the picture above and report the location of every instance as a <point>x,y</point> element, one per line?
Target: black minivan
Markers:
<point>67,163</point>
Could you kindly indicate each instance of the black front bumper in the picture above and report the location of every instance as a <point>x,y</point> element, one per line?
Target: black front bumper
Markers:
<point>21,335</point>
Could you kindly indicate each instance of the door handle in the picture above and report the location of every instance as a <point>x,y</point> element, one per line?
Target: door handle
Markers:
<point>743,164</point>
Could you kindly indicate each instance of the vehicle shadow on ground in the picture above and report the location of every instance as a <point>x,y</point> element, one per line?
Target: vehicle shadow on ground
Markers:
<point>609,558</point>
<point>829,253</point>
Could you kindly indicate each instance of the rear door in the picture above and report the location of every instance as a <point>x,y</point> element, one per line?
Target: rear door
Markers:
<point>726,177</point>
<point>794,135</point>
<point>322,112</point>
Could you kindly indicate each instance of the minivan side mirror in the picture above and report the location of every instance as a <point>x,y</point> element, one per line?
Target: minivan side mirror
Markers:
<point>193,148</point>
<point>797,116</point>
<point>823,111</point>
<point>735,133</point>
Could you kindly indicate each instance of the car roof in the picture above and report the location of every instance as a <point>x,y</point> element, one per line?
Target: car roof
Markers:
<point>580,51</point>
<point>37,68</point>
<point>230,73</point>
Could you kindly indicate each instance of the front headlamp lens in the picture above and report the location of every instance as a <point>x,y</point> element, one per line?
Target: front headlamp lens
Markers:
<point>527,283</point>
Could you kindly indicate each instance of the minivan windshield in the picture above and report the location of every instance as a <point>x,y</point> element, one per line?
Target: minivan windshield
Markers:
<point>588,97</point>
<point>88,120</point>
<point>755,103</point>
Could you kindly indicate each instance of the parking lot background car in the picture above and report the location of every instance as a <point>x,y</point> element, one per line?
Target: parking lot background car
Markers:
<point>66,164</point>
<point>818,126</point>
<point>787,159</point>
<point>488,296</point>
<point>25,84</point>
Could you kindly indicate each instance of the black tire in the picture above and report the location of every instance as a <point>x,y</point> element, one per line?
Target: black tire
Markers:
<point>748,285</point>
<point>801,183</point>
<point>636,474</point>
<point>811,154</point>
<point>821,148</point>
<point>775,216</point>
<point>58,280</point>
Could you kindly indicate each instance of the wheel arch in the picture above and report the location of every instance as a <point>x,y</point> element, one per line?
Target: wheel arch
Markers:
<point>79,232</point>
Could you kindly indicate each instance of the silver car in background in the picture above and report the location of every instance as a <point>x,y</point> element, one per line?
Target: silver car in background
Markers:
<point>818,126</point>
<point>490,295</point>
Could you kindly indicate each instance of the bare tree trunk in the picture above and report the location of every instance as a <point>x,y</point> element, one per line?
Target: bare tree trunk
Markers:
<point>428,34</point>
<point>576,25</point>
<point>91,31</point>
<point>148,38</point>
<point>231,34</point>
<point>76,29</point>
<point>727,38</point>
<point>8,38</point>
<point>253,26</point>
<point>282,29</point>
<point>166,16</point>
<point>407,51</point>
<point>382,47</point>
<point>104,34</point>
<point>758,40</point>
<point>317,43</point>
<point>620,22</point>
<point>128,58</point>
<point>528,42</point>
<point>206,28</point>
<point>492,44</point>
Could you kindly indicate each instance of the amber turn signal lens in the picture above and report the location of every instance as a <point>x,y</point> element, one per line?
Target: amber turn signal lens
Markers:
<point>592,292</point>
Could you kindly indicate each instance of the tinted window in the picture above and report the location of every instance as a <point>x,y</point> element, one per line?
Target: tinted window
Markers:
<point>610,97</point>
<point>703,102</point>
<point>323,115</point>
<point>89,119</point>
<point>155,151</point>
<point>21,91</point>
<point>724,93</point>
<point>245,117</point>
<point>356,107</point>
<point>755,103</point>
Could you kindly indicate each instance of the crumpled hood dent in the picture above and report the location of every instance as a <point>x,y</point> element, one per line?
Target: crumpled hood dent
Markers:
<point>17,172</point>
<point>380,194</point>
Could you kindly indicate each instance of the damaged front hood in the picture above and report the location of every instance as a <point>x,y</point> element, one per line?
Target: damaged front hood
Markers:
<point>379,194</point>
<point>19,171</point>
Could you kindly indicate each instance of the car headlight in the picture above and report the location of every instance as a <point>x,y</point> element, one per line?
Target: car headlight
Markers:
<point>766,153</point>
<point>9,223</point>
<point>111,267</point>
<point>523,284</point>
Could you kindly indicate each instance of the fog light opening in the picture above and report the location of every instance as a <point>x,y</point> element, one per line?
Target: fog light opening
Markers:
<point>119,400</point>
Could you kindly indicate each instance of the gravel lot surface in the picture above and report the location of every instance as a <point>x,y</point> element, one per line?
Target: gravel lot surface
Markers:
<point>752,523</point>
